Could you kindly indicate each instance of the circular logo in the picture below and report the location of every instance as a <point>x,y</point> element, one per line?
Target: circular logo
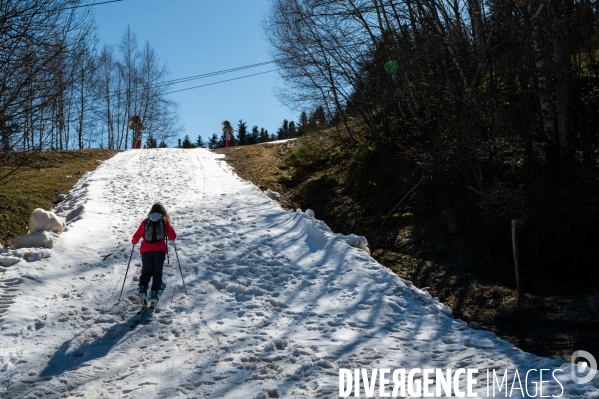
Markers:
<point>580,368</point>
<point>391,67</point>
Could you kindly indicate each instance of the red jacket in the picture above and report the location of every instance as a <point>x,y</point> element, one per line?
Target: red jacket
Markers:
<point>157,246</point>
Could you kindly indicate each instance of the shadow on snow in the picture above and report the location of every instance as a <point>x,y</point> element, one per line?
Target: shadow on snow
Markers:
<point>69,356</point>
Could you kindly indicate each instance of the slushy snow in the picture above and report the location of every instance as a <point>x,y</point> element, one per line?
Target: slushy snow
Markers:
<point>276,303</point>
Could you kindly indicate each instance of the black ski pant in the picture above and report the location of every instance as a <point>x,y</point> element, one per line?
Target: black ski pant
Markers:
<point>152,264</point>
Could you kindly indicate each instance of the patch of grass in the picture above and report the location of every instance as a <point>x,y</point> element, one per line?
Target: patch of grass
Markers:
<point>264,165</point>
<point>38,182</point>
<point>311,151</point>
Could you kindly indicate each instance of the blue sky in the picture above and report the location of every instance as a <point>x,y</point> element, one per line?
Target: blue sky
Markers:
<point>200,36</point>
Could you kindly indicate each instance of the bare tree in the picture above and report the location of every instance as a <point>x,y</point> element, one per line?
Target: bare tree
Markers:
<point>105,85</point>
<point>37,37</point>
<point>443,58</point>
<point>494,103</point>
<point>159,114</point>
<point>129,74</point>
<point>136,83</point>
<point>86,65</point>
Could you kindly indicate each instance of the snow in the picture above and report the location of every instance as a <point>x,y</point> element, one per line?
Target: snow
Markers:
<point>272,194</point>
<point>279,141</point>
<point>41,220</point>
<point>276,304</point>
<point>38,239</point>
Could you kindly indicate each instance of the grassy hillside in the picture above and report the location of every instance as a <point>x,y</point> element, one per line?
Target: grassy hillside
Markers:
<point>38,181</point>
<point>466,268</point>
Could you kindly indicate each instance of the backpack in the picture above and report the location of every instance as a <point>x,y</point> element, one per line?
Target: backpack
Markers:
<point>154,230</point>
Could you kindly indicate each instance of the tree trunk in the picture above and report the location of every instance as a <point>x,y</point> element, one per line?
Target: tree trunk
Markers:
<point>562,59</point>
<point>547,112</point>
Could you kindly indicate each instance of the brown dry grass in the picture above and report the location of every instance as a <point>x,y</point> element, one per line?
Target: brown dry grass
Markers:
<point>265,166</point>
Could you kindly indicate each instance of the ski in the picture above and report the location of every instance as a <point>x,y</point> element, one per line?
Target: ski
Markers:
<point>148,315</point>
<point>139,317</point>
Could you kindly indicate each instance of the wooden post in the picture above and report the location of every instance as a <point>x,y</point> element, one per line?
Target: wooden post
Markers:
<point>519,285</point>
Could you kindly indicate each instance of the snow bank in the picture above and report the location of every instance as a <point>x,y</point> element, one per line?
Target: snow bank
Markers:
<point>272,194</point>
<point>41,220</point>
<point>37,255</point>
<point>73,206</point>
<point>39,239</point>
<point>75,213</point>
<point>7,261</point>
<point>44,229</point>
<point>320,233</point>
<point>278,141</point>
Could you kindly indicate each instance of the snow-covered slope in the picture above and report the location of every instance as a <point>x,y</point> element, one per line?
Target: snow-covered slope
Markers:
<point>276,303</point>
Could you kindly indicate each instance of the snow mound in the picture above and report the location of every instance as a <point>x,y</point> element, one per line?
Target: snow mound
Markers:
<point>320,233</point>
<point>355,241</point>
<point>41,220</point>
<point>7,261</point>
<point>39,239</point>
<point>38,255</point>
<point>75,213</point>
<point>272,194</point>
<point>44,227</point>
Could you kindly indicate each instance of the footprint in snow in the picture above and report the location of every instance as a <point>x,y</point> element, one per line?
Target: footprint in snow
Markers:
<point>10,284</point>
<point>5,302</point>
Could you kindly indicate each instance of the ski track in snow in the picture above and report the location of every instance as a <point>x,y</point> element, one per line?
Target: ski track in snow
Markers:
<point>276,303</point>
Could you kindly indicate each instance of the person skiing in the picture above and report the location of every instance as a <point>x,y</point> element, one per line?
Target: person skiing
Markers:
<point>155,230</point>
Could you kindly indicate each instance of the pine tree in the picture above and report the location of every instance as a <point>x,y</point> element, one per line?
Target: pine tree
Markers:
<point>200,143</point>
<point>151,142</point>
<point>242,138</point>
<point>213,141</point>
<point>303,124</point>
<point>187,142</point>
<point>254,136</point>
<point>319,117</point>
<point>283,131</point>
<point>264,136</point>
<point>162,144</point>
<point>292,131</point>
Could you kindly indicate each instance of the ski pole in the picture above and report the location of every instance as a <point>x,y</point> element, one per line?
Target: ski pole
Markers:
<point>168,261</point>
<point>130,256</point>
<point>180,271</point>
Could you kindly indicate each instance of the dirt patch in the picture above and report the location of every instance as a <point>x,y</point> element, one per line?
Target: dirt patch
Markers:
<point>465,273</point>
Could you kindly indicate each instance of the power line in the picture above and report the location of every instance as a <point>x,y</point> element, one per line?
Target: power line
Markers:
<point>89,5</point>
<point>205,75</point>
<point>222,81</point>
<point>210,74</point>
<point>182,80</point>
